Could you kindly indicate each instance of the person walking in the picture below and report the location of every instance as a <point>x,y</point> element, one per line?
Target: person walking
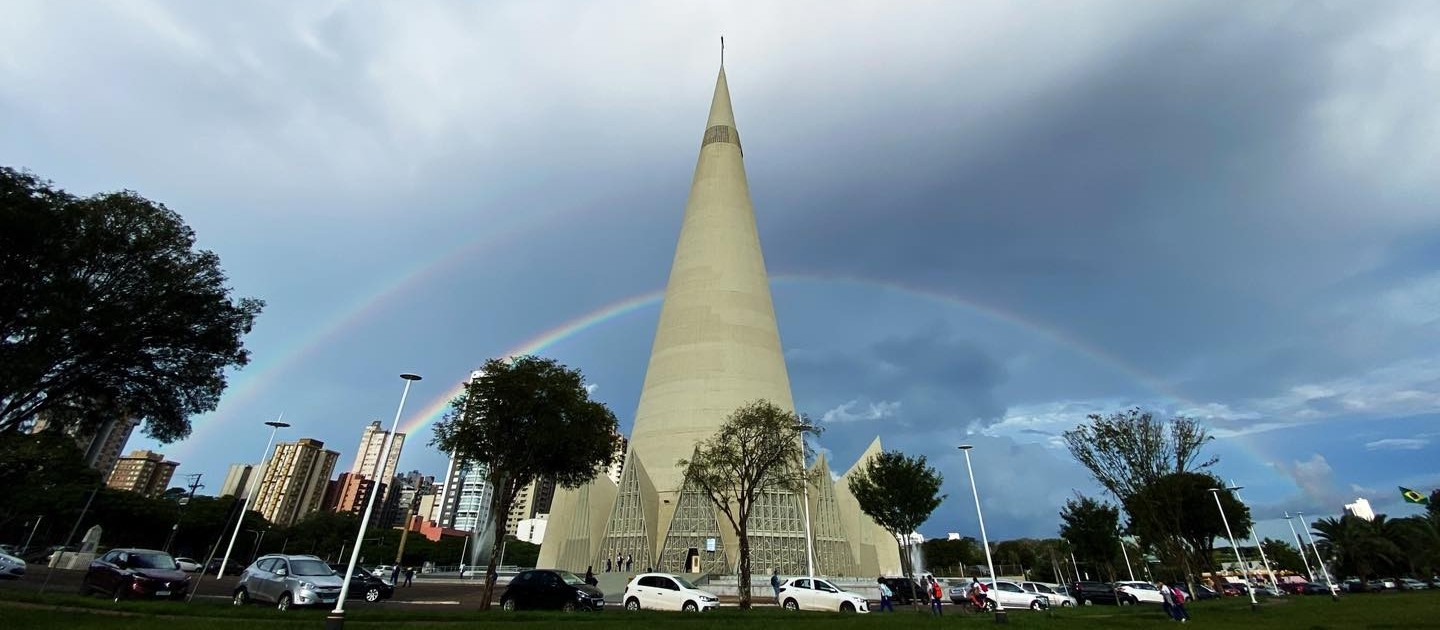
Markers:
<point>395,576</point>
<point>409,575</point>
<point>619,562</point>
<point>935,596</point>
<point>885,595</point>
<point>607,564</point>
<point>1167,600</point>
<point>775,583</point>
<point>1178,608</point>
<point>630,563</point>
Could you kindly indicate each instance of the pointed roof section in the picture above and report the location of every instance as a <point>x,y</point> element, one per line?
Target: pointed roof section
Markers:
<point>720,112</point>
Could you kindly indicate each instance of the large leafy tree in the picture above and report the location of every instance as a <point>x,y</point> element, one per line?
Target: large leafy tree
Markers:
<point>526,418</point>
<point>1177,513</point>
<point>755,452</point>
<point>1283,556</point>
<point>899,493</point>
<point>1093,529</point>
<point>107,309</point>
<point>1357,546</point>
<point>950,557</point>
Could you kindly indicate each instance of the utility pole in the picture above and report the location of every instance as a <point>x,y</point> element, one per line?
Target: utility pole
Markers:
<point>193,485</point>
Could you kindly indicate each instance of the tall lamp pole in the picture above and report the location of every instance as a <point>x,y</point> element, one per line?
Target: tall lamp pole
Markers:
<point>1128,566</point>
<point>801,429</point>
<point>336,619</point>
<point>1329,585</point>
<point>1249,588</point>
<point>1256,539</point>
<point>1000,616</point>
<point>275,425</point>
<point>1304,557</point>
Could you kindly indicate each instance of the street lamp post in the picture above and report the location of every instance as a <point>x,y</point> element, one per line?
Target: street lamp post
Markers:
<point>1256,539</point>
<point>1329,585</point>
<point>275,425</point>
<point>1126,553</point>
<point>336,619</point>
<point>801,429</point>
<point>984,540</point>
<point>1249,588</point>
<point>1304,557</point>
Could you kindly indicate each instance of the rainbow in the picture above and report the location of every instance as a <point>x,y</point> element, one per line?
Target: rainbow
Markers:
<point>435,409</point>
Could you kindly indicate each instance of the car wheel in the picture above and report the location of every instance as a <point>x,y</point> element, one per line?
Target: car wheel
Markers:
<point>690,607</point>
<point>284,603</point>
<point>1124,601</point>
<point>1066,604</point>
<point>847,607</point>
<point>791,604</point>
<point>1035,604</point>
<point>241,597</point>
<point>567,607</point>
<point>372,594</point>
<point>119,593</point>
<point>632,604</point>
<point>507,604</point>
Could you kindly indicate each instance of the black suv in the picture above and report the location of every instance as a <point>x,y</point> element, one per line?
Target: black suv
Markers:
<point>904,591</point>
<point>365,585</point>
<point>553,590</point>
<point>1093,593</point>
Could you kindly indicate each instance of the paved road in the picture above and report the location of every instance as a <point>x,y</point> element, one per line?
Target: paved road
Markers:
<point>450,594</point>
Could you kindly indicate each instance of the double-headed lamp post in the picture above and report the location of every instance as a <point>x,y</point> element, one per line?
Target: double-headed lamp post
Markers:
<point>1304,557</point>
<point>1329,584</point>
<point>984,540</point>
<point>1249,588</point>
<point>801,429</point>
<point>275,425</point>
<point>1256,539</point>
<point>336,619</point>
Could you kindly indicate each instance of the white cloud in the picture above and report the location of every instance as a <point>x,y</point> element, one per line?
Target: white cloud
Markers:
<point>1397,444</point>
<point>1316,480</point>
<point>853,412</point>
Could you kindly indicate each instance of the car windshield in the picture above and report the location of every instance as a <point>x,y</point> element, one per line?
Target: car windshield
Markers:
<point>570,578</point>
<point>683,582</point>
<point>310,567</point>
<point>152,561</point>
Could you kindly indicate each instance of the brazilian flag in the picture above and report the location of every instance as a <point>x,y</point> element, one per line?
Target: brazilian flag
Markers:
<point>1412,496</point>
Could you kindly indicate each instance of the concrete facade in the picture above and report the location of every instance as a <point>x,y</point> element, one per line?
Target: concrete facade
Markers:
<point>716,348</point>
<point>143,472</point>
<point>295,481</point>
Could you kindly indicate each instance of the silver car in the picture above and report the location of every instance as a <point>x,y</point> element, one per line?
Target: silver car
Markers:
<point>288,581</point>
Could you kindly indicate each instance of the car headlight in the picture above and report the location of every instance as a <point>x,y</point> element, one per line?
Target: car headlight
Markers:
<point>309,586</point>
<point>707,598</point>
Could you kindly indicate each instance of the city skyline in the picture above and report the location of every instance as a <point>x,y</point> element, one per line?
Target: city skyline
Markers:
<point>982,223</point>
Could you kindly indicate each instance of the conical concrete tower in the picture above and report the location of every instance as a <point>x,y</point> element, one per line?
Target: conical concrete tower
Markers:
<point>717,345</point>
<point>716,348</point>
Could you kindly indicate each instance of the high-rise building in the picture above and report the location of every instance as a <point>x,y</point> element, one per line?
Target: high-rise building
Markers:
<point>464,499</point>
<point>1361,509</point>
<point>532,500</point>
<point>617,464</point>
<point>352,492</point>
<point>372,445</point>
<point>294,481</point>
<point>238,480</point>
<point>102,446</point>
<point>143,472</point>
<point>717,347</point>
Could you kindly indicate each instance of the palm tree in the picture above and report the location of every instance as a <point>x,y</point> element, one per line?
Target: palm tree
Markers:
<point>1358,546</point>
<point>1418,538</point>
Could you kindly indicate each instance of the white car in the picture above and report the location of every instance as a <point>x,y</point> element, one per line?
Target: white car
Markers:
<point>1128,593</point>
<point>384,572</point>
<point>1412,584</point>
<point>1011,595</point>
<point>806,594</point>
<point>1051,592</point>
<point>11,567</point>
<point>663,591</point>
<point>188,565</point>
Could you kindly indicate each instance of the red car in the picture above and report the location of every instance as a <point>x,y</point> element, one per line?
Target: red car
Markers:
<point>126,573</point>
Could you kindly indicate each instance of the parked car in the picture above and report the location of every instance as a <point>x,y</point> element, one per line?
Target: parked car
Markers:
<point>188,565</point>
<point>904,591</point>
<point>664,591</point>
<point>232,568</point>
<point>364,585</point>
<point>11,566</point>
<point>553,590</point>
<point>1011,595</point>
<point>1129,593</point>
<point>1412,584</point>
<point>384,572</point>
<point>288,581</point>
<point>1086,593</point>
<point>1052,592</point>
<point>806,594</point>
<point>126,573</point>
<point>1231,589</point>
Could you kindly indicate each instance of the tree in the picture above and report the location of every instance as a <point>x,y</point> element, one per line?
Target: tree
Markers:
<point>527,418</point>
<point>899,493</point>
<point>950,557</point>
<point>1093,529</point>
<point>1356,545</point>
<point>106,309</point>
<point>1175,514</point>
<point>755,452</point>
<point>1283,556</point>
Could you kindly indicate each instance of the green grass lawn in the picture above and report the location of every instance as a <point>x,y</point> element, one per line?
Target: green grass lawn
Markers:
<point>1390,610</point>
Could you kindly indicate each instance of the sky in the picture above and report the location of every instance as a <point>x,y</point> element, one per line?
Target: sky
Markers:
<point>984,221</point>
